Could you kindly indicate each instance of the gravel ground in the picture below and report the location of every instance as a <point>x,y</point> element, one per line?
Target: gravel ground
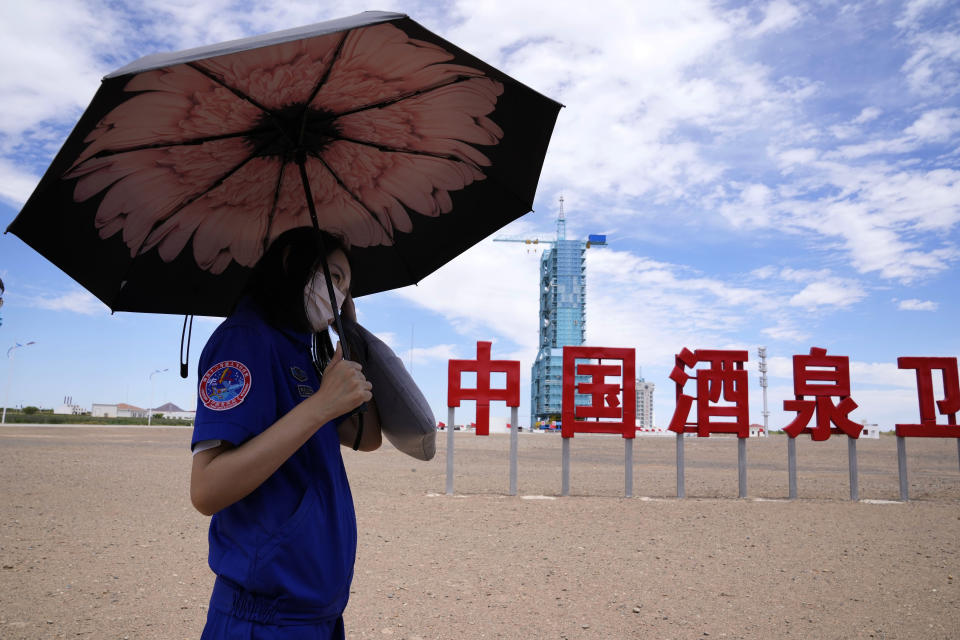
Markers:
<point>98,540</point>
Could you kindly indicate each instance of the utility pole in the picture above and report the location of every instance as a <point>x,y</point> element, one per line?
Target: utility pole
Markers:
<point>762,352</point>
<point>150,410</point>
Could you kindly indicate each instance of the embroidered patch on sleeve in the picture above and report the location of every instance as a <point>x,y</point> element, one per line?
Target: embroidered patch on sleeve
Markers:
<point>299,374</point>
<point>225,385</point>
<point>304,390</point>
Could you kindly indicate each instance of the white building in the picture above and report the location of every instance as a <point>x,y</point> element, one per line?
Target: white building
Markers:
<point>869,430</point>
<point>129,411</point>
<point>644,404</point>
<point>170,410</point>
<point>121,410</point>
<point>103,410</point>
<point>68,408</point>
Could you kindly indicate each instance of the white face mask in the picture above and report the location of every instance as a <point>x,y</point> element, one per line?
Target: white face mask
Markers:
<point>316,301</point>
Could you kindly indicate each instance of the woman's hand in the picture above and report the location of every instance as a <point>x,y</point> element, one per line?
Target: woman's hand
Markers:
<point>225,474</point>
<point>343,387</point>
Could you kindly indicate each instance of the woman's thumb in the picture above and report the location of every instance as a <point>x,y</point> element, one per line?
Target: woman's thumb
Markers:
<point>337,357</point>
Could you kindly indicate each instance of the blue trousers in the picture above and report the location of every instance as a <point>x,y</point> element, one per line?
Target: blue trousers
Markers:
<point>239,615</point>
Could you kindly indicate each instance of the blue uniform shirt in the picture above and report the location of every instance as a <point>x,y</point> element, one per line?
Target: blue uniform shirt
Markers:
<point>291,542</point>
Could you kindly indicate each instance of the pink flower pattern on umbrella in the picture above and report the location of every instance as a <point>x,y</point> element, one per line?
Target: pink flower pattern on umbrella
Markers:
<point>391,128</point>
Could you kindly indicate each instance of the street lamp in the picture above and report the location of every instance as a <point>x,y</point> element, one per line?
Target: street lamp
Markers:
<point>150,410</point>
<point>6,395</point>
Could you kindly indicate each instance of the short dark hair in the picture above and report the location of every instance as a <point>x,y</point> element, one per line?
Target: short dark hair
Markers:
<point>280,276</point>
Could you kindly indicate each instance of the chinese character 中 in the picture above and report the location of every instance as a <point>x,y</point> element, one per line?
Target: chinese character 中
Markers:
<point>483,394</point>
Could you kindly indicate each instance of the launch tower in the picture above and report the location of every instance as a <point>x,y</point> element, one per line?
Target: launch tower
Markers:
<point>562,319</point>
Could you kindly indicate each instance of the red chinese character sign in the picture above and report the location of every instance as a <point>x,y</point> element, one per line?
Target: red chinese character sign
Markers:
<point>823,378</point>
<point>929,406</point>
<point>611,388</point>
<point>483,394</point>
<point>721,387</point>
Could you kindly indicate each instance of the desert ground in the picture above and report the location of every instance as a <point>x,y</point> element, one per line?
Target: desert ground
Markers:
<point>98,540</point>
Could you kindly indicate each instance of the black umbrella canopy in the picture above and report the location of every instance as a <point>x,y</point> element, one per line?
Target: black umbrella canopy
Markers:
<point>186,165</point>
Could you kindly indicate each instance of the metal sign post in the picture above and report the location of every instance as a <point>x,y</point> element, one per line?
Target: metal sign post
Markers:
<point>450,429</point>
<point>681,486</point>
<point>792,465</point>
<point>902,467</point>
<point>514,438</point>
<point>852,460</point>
<point>742,466</point>
<point>628,467</point>
<point>565,468</point>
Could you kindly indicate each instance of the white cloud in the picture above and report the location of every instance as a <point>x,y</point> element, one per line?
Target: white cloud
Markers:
<point>429,355</point>
<point>50,68</point>
<point>16,183</point>
<point>779,15</point>
<point>489,289</point>
<point>881,374</point>
<point>786,332</point>
<point>885,219</point>
<point>862,374</point>
<point>913,11</point>
<point>917,305</point>
<point>661,307</point>
<point>937,125</point>
<point>780,366</point>
<point>932,69</point>
<point>934,126</point>
<point>764,272</point>
<point>634,87</point>
<point>832,293</point>
<point>844,131</point>
<point>75,301</point>
<point>869,114</point>
<point>640,88</point>
<point>633,301</point>
<point>800,156</point>
<point>875,147</point>
<point>884,407</point>
<point>803,275</point>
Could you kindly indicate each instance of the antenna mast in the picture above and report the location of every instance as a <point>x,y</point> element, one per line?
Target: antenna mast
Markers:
<point>561,223</point>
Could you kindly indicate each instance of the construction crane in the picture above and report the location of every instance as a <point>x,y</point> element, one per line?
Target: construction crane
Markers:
<point>562,321</point>
<point>593,240</point>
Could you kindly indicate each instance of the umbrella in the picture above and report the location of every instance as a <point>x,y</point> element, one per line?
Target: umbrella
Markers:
<point>186,165</point>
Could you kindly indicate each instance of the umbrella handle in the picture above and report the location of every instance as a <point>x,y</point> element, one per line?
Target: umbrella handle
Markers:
<point>305,181</point>
<point>321,361</point>
<point>301,158</point>
<point>185,362</point>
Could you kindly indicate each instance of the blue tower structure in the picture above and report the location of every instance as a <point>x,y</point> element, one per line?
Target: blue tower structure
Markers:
<point>563,303</point>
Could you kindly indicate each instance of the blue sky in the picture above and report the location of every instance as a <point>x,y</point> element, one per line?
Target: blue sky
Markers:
<point>767,173</point>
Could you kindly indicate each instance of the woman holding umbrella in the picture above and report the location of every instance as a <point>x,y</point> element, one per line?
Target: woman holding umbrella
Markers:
<point>267,464</point>
<point>184,165</point>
